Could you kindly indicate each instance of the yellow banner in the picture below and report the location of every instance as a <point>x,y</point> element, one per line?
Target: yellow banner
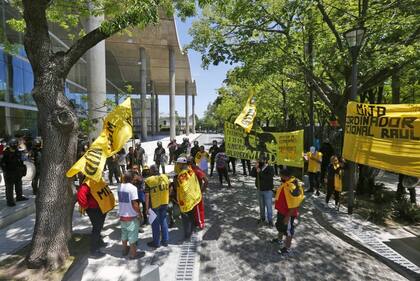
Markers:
<point>384,136</point>
<point>102,194</point>
<point>117,130</point>
<point>279,148</point>
<point>247,116</point>
<point>188,190</point>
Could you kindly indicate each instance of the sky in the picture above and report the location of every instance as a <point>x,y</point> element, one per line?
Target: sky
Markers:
<point>207,81</point>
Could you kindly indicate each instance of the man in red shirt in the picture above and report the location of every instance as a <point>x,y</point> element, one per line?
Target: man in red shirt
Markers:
<point>289,196</point>
<point>97,218</point>
<point>203,181</point>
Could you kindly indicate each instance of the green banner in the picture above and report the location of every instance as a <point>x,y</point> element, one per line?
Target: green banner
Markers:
<point>279,148</point>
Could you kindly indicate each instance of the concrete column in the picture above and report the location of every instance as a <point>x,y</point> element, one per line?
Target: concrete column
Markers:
<point>152,108</point>
<point>143,92</point>
<point>187,111</point>
<point>172,119</point>
<point>96,79</point>
<point>157,112</point>
<point>193,113</point>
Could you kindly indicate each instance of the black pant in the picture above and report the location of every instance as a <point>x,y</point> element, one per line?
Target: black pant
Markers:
<point>97,219</point>
<point>144,211</point>
<point>114,171</point>
<point>211,166</point>
<point>159,164</point>
<point>245,164</point>
<point>233,162</point>
<point>314,181</point>
<point>188,223</point>
<point>223,173</point>
<point>122,168</point>
<point>35,180</point>
<point>10,181</point>
<point>324,169</point>
<point>330,191</point>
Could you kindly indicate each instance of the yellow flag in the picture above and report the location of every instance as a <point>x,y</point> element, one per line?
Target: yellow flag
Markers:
<point>102,194</point>
<point>384,136</point>
<point>188,190</point>
<point>247,116</point>
<point>117,130</point>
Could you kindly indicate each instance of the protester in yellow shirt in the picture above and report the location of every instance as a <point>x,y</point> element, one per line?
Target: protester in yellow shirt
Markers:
<point>335,180</point>
<point>202,159</point>
<point>314,159</point>
<point>157,200</point>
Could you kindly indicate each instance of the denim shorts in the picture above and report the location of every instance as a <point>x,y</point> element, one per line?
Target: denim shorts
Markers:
<point>130,231</point>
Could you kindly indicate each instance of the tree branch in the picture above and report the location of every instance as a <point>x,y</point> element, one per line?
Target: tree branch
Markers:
<point>330,24</point>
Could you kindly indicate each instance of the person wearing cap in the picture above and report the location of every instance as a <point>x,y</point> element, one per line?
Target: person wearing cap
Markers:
<point>187,214</point>
<point>14,169</point>
<point>288,198</point>
<point>159,156</point>
<point>204,182</point>
<point>263,174</point>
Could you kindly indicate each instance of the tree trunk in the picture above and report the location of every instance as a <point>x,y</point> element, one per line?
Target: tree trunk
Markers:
<point>396,87</point>
<point>57,123</point>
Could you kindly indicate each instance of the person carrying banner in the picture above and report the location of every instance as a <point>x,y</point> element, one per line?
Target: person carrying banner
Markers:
<point>335,180</point>
<point>263,174</point>
<point>202,159</point>
<point>157,200</point>
<point>188,194</point>
<point>90,206</point>
<point>214,149</point>
<point>314,159</point>
<point>130,216</point>
<point>203,182</point>
<point>289,197</point>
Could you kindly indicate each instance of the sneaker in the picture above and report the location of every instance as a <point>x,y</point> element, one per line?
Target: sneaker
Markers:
<point>284,252</point>
<point>23,198</point>
<point>97,254</point>
<point>103,244</point>
<point>165,244</point>
<point>137,255</point>
<point>152,244</point>
<point>270,224</point>
<point>277,241</point>
<point>317,193</point>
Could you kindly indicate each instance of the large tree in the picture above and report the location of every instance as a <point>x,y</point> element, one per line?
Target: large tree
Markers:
<point>57,119</point>
<point>266,36</point>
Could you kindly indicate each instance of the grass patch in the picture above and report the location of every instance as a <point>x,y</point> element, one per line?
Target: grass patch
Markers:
<point>14,267</point>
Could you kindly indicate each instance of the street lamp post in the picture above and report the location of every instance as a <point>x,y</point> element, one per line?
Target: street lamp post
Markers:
<point>354,38</point>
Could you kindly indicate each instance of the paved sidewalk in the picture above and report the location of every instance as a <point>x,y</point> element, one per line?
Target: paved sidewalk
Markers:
<point>235,248</point>
<point>113,266</point>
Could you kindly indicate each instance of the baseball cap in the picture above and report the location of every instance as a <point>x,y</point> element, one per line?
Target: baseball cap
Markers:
<point>182,160</point>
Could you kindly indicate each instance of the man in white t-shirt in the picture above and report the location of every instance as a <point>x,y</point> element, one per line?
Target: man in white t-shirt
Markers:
<point>129,212</point>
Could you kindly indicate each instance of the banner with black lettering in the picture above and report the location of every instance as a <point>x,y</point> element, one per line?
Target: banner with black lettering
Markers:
<point>280,148</point>
<point>247,116</point>
<point>117,130</point>
<point>384,136</point>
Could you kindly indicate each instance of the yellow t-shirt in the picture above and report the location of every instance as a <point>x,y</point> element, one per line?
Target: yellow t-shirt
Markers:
<point>200,155</point>
<point>158,189</point>
<point>338,179</point>
<point>313,165</point>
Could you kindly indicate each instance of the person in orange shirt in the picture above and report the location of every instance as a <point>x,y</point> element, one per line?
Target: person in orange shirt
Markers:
<point>314,159</point>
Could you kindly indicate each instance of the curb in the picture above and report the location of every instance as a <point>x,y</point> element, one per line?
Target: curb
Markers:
<point>319,217</point>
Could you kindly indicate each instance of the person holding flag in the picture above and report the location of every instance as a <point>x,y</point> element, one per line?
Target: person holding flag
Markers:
<point>289,197</point>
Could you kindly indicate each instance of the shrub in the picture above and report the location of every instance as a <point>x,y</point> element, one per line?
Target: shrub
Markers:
<point>404,210</point>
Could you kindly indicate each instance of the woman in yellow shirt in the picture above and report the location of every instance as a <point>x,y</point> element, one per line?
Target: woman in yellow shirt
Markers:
<point>335,180</point>
<point>314,159</point>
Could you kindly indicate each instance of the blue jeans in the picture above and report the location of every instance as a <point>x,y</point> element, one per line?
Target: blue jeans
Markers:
<point>160,224</point>
<point>265,199</point>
